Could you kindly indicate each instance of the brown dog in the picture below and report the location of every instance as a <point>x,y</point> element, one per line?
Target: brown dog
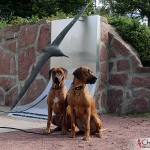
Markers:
<point>83,110</point>
<point>56,97</point>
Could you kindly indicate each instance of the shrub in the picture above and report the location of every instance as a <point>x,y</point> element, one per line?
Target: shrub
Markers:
<point>3,23</point>
<point>59,15</point>
<point>19,20</point>
<point>136,34</point>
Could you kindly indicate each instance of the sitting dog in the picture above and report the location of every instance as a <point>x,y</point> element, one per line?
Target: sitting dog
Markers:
<point>82,105</point>
<point>56,97</point>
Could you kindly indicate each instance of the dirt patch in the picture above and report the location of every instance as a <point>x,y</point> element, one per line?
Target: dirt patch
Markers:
<point>123,135</point>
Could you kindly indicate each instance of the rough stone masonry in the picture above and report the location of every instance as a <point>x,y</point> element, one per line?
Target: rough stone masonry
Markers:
<point>124,84</point>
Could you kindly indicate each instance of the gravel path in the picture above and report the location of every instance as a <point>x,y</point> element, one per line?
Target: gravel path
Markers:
<point>123,135</point>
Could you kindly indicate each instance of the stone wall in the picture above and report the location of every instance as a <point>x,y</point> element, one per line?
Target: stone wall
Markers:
<point>20,50</point>
<point>124,85</point>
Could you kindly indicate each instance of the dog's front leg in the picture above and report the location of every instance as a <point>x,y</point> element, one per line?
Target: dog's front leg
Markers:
<point>64,122</point>
<point>47,130</point>
<point>98,125</point>
<point>73,126</point>
<point>87,124</point>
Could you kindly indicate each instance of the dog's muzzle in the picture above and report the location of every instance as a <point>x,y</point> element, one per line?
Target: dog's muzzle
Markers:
<point>91,80</point>
<point>57,80</point>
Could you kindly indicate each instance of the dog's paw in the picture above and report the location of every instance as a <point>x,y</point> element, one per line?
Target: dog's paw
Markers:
<point>47,131</point>
<point>99,134</point>
<point>86,138</point>
<point>72,136</point>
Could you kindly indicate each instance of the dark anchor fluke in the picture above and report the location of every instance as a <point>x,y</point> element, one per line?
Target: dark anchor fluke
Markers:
<point>50,50</point>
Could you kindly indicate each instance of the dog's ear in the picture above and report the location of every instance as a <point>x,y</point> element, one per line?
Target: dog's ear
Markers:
<point>50,72</point>
<point>77,73</point>
<point>65,72</point>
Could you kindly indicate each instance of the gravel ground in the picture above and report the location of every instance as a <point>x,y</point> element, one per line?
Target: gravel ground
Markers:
<point>123,135</point>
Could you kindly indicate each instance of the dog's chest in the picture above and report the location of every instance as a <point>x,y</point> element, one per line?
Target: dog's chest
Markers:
<point>55,102</point>
<point>56,106</point>
<point>80,112</point>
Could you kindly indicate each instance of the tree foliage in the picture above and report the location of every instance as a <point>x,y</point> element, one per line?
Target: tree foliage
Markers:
<point>136,8</point>
<point>41,8</point>
<point>136,34</point>
<point>22,8</point>
<point>72,6</point>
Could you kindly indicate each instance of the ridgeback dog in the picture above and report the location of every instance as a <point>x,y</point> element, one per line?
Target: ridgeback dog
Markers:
<point>56,98</point>
<point>83,110</point>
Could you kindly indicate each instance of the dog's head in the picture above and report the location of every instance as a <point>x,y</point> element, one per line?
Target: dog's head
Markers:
<point>58,74</point>
<point>85,75</point>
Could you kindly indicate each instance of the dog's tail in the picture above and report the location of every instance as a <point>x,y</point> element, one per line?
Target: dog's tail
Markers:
<point>106,129</point>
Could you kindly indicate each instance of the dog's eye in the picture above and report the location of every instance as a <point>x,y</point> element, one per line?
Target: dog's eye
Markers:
<point>88,72</point>
<point>59,73</point>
